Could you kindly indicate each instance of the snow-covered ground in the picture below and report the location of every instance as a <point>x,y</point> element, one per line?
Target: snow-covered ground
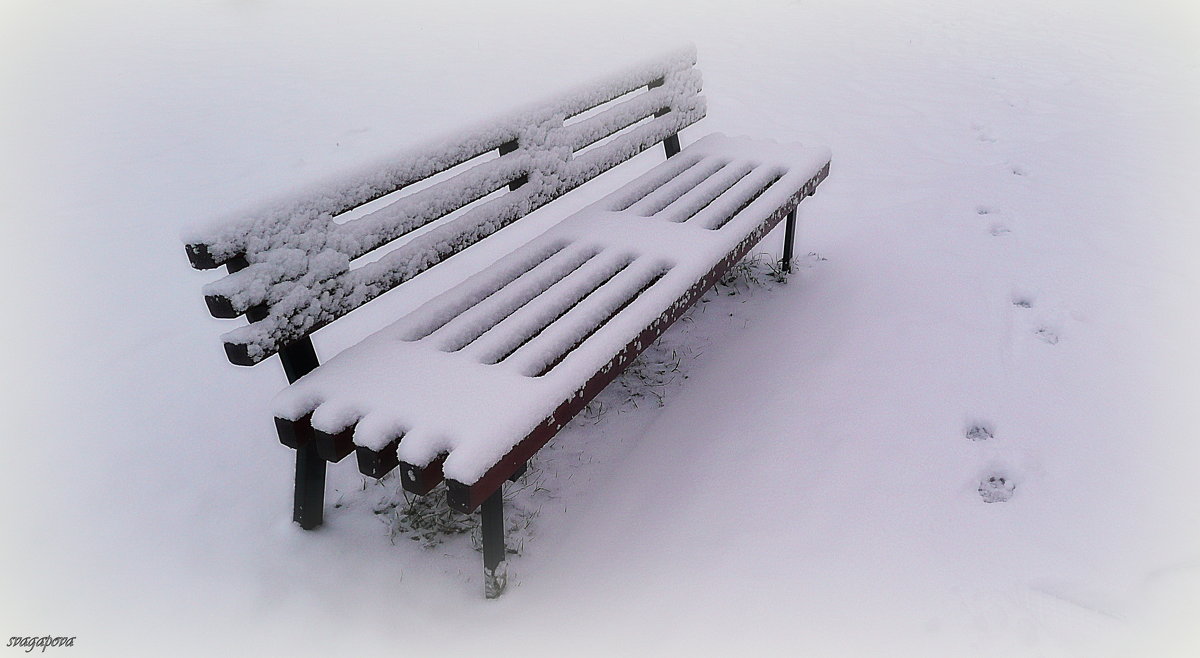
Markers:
<point>1001,285</point>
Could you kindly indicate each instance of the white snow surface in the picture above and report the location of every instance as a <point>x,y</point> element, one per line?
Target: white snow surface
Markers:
<point>474,401</point>
<point>1002,284</point>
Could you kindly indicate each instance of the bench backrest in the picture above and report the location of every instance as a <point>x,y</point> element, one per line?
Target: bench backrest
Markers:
<point>290,264</point>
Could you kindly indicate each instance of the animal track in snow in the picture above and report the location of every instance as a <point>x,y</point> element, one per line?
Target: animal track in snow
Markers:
<point>1046,335</point>
<point>1017,170</point>
<point>996,489</point>
<point>983,210</point>
<point>999,229</point>
<point>1021,301</point>
<point>979,432</point>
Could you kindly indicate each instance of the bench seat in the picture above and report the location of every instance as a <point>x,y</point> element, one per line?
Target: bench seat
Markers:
<point>459,387</point>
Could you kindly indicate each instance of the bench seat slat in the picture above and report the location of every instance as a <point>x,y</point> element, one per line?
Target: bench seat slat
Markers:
<point>534,358</point>
<point>735,198</point>
<point>527,323</point>
<point>434,320</point>
<point>665,195</point>
<point>470,324</point>
<point>638,189</point>
<point>693,201</point>
<point>456,406</point>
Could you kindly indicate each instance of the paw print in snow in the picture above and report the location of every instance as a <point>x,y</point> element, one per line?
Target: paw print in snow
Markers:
<point>996,489</point>
<point>979,433</point>
<point>1046,336</point>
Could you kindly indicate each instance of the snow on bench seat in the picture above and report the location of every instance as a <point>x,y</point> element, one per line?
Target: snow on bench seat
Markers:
<point>471,373</point>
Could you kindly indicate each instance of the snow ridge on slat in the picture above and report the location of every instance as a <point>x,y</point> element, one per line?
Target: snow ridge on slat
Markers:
<point>664,196</point>
<point>637,190</point>
<point>734,199</point>
<point>479,319</point>
<point>531,320</point>
<point>699,198</point>
<point>553,344</point>
<point>483,288</point>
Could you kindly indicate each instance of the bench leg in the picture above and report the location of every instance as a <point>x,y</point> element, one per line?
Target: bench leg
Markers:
<point>298,359</point>
<point>789,238</point>
<point>495,568</point>
<point>309,504</point>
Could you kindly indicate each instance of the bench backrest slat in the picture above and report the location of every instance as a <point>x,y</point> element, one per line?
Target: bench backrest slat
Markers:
<point>298,273</point>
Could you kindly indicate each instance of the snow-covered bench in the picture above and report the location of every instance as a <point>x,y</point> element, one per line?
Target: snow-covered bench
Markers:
<point>466,388</point>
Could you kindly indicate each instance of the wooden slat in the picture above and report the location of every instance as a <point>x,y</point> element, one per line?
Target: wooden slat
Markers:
<point>377,463</point>
<point>294,434</point>
<point>421,480</point>
<point>334,447</point>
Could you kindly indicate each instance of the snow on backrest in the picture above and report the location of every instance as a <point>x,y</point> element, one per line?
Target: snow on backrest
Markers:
<point>290,262</point>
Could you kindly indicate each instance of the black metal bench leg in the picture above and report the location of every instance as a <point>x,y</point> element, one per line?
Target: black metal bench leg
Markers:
<point>299,359</point>
<point>789,238</point>
<point>309,505</point>
<point>495,568</point>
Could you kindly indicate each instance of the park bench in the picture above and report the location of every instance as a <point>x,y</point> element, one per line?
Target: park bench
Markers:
<point>470,385</point>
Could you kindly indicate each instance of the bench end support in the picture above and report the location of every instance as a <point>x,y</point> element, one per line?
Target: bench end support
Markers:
<point>309,503</point>
<point>789,240</point>
<point>495,568</point>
